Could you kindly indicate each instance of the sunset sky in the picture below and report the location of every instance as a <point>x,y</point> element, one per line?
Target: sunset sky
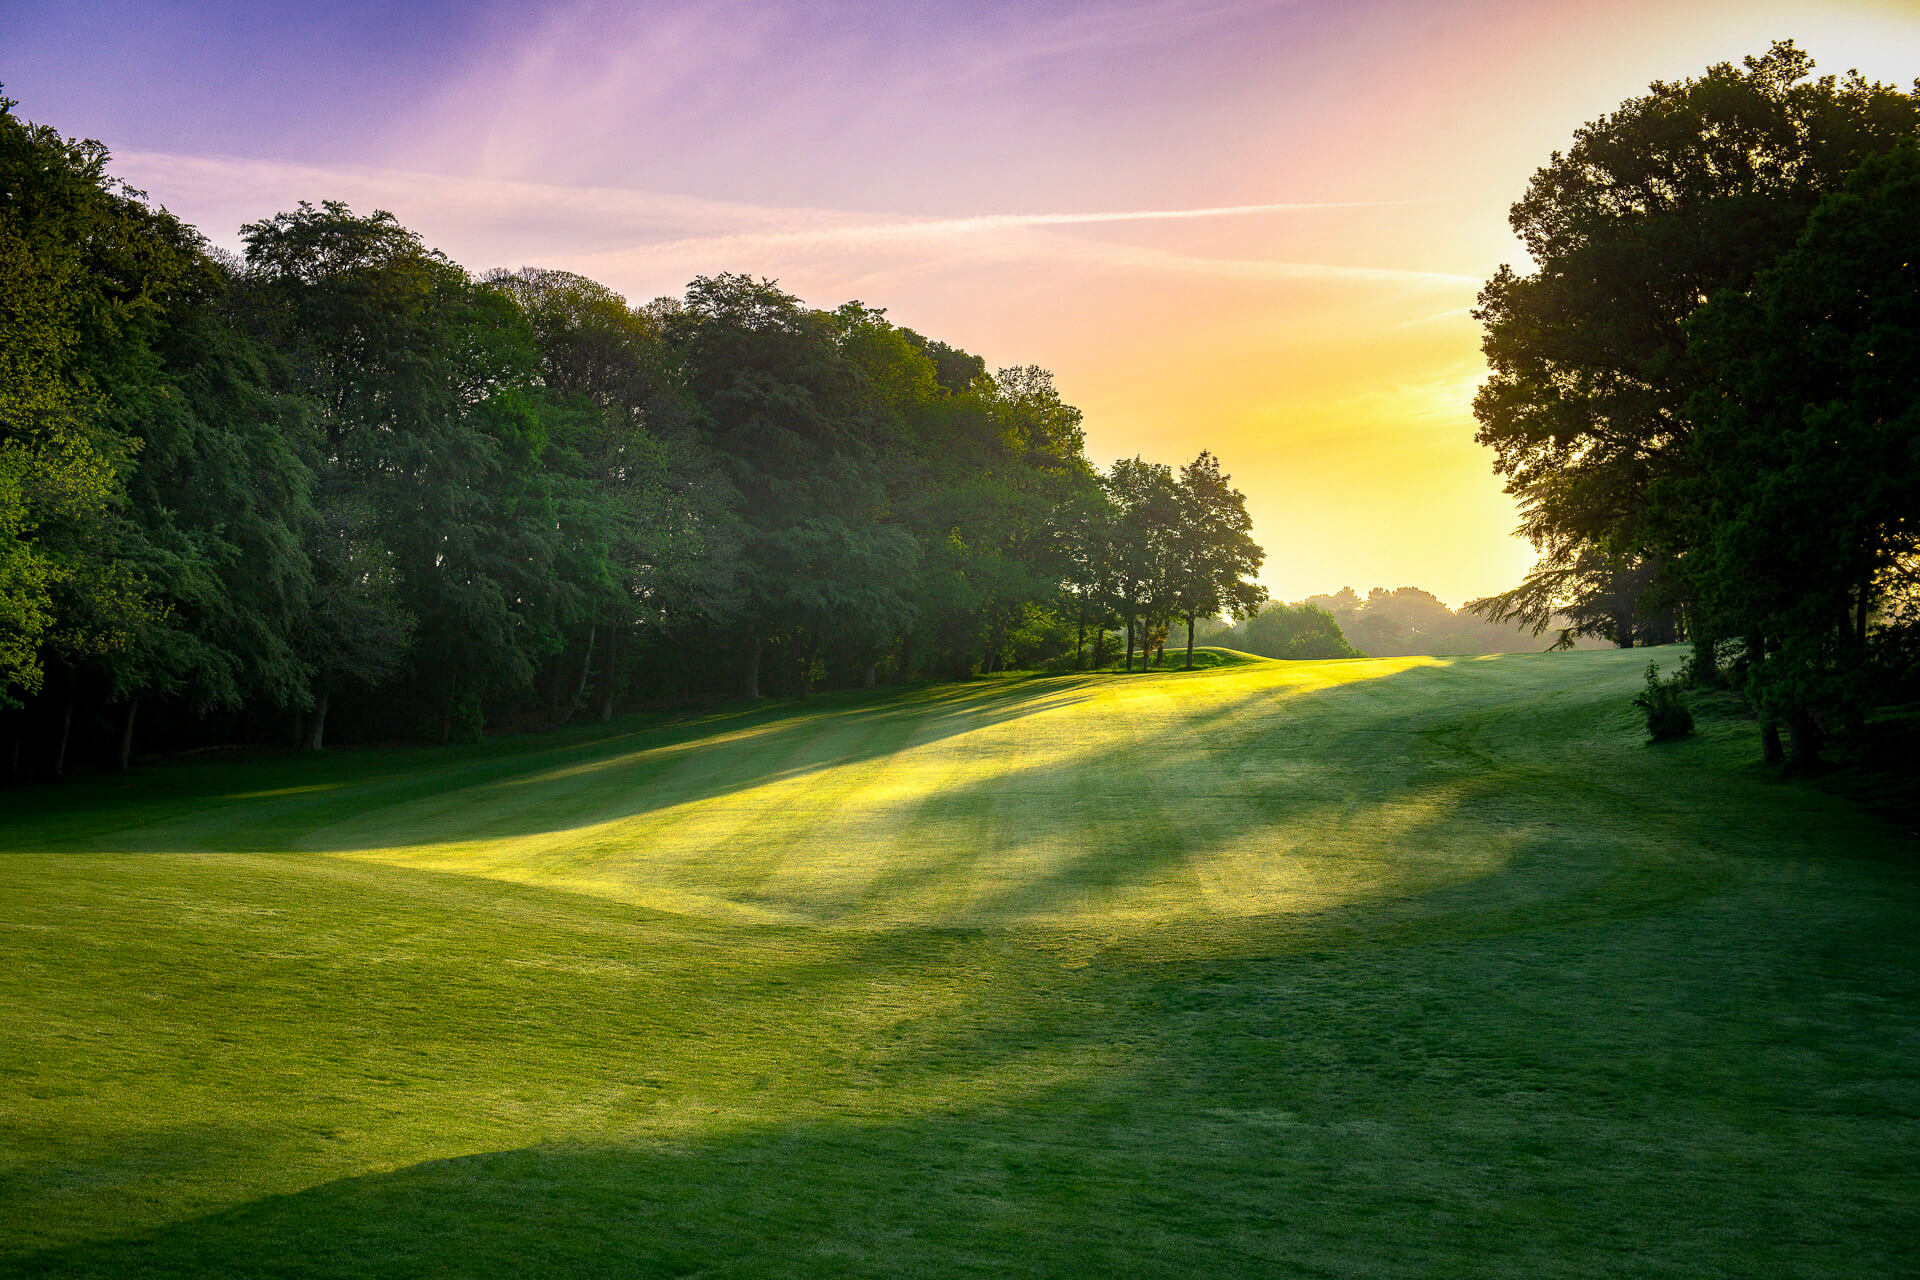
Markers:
<point>1254,228</point>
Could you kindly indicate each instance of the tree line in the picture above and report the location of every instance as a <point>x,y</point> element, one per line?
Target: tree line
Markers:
<point>340,485</point>
<point>1407,620</point>
<point>1706,396</point>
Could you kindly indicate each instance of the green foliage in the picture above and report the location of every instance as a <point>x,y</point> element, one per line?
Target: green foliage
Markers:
<point>1214,554</point>
<point>1806,485</point>
<point>345,483</point>
<point>1678,196</point>
<point>1704,398</point>
<point>1295,632</point>
<point>85,274</point>
<point>1664,703</point>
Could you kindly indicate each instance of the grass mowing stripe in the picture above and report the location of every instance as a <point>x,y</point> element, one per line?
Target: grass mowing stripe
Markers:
<point>1398,968</point>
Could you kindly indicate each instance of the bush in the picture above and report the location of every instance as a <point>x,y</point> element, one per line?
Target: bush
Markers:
<point>1292,632</point>
<point>1665,705</point>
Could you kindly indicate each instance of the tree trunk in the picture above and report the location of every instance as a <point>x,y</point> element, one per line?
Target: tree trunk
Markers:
<point>1771,751</point>
<point>1129,644</point>
<point>1080,643</point>
<point>66,732</point>
<point>750,676</point>
<point>1623,631</point>
<point>609,684</point>
<point>611,680</point>
<point>869,675</point>
<point>556,685</point>
<point>1706,662</point>
<point>126,735</point>
<point>317,723</point>
<point>1803,739</point>
<point>1189,642</point>
<point>1100,647</point>
<point>13,757</point>
<point>580,685</point>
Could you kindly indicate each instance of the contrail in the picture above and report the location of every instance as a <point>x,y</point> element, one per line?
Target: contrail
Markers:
<point>999,221</point>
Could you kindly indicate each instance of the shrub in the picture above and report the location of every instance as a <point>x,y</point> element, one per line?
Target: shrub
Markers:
<point>1665,705</point>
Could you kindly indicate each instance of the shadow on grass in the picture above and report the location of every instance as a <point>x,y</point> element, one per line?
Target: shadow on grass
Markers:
<point>1058,1185</point>
<point>1255,1177</point>
<point>807,1200</point>
<point>1233,1104</point>
<point>1432,741</point>
<point>291,793</point>
<point>338,803</point>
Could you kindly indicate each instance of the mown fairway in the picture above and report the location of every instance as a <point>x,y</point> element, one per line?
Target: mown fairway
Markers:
<point>1394,968</point>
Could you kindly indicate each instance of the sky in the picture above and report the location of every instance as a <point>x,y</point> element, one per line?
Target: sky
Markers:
<point>1249,226</point>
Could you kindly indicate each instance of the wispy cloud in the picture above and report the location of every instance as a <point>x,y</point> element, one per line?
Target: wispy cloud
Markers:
<point>1091,28</point>
<point>623,233</point>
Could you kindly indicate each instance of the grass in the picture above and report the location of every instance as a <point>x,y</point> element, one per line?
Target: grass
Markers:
<point>1405,967</point>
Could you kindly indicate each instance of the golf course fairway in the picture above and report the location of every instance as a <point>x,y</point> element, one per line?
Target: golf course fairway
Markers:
<point>1408,967</point>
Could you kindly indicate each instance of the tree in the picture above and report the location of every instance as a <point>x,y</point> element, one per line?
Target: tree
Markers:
<point>355,632</point>
<point>79,303</point>
<point>1297,632</point>
<point>1585,591</point>
<point>1142,544</point>
<point>1678,195</point>
<point>424,385</point>
<point>116,379</point>
<point>646,530</point>
<point>785,410</point>
<point>1214,554</point>
<point>1804,501</point>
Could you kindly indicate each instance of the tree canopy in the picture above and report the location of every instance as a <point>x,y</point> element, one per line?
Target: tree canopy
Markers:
<point>1681,194</point>
<point>342,486</point>
<point>1703,397</point>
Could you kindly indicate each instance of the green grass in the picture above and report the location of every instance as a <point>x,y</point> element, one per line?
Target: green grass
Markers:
<point>1397,968</point>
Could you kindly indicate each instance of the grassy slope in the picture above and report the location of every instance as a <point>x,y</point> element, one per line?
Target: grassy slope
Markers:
<point>1396,968</point>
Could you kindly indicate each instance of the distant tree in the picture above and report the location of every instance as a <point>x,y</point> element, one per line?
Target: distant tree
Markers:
<point>1090,527</point>
<point>1407,620</point>
<point>1296,632</point>
<point>1142,543</point>
<point>1587,592</point>
<point>1214,556</point>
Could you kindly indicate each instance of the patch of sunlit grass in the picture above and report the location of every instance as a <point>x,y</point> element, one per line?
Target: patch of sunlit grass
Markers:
<point>1394,967</point>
